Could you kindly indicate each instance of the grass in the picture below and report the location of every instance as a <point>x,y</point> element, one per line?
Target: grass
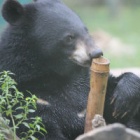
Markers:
<point>125,26</point>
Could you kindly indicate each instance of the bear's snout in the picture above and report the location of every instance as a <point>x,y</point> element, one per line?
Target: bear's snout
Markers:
<point>96,53</point>
<point>83,54</point>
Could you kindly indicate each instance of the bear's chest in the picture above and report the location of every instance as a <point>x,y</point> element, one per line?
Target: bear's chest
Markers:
<point>66,107</point>
<point>65,101</point>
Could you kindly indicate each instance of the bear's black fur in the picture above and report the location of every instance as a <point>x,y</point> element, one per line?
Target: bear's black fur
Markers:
<point>50,50</point>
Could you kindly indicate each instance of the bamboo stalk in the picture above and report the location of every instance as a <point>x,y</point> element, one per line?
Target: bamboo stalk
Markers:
<point>98,84</point>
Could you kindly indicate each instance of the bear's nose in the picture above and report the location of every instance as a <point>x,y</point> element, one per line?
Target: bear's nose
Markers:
<point>96,53</point>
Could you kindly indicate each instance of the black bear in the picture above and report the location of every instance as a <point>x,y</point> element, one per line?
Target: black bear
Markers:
<point>50,50</point>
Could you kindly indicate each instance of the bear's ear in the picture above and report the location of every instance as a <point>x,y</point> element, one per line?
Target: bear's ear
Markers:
<point>12,11</point>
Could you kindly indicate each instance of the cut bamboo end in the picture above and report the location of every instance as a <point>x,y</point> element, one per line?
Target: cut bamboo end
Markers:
<point>100,65</point>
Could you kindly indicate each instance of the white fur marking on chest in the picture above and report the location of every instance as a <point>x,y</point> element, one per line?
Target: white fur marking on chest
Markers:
<point>42,102</point>
<point>82,113</point>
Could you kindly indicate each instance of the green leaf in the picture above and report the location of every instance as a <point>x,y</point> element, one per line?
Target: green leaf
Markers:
<point>19,116</point>
<point>31,110</point>
<point>33,138</point>
<point>38,127</point>
<point>18,108</point>
<point>8,112</point>
<point>26,124</point>
<point>43,129</point>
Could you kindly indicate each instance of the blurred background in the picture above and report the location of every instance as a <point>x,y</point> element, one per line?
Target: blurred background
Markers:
<point>114,25</point>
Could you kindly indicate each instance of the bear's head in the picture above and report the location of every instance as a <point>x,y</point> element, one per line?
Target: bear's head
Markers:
<point>44,37</point>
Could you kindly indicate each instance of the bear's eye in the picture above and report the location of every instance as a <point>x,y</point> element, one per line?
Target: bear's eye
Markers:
<point>69,38</point>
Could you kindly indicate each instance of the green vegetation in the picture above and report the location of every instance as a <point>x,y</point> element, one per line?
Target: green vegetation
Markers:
<point>16,109</point>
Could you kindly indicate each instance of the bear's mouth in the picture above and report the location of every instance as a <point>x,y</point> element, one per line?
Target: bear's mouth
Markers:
<point>86,63</point>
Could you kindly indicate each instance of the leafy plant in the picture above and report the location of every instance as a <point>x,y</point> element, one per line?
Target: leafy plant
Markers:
<point>16,110</point>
